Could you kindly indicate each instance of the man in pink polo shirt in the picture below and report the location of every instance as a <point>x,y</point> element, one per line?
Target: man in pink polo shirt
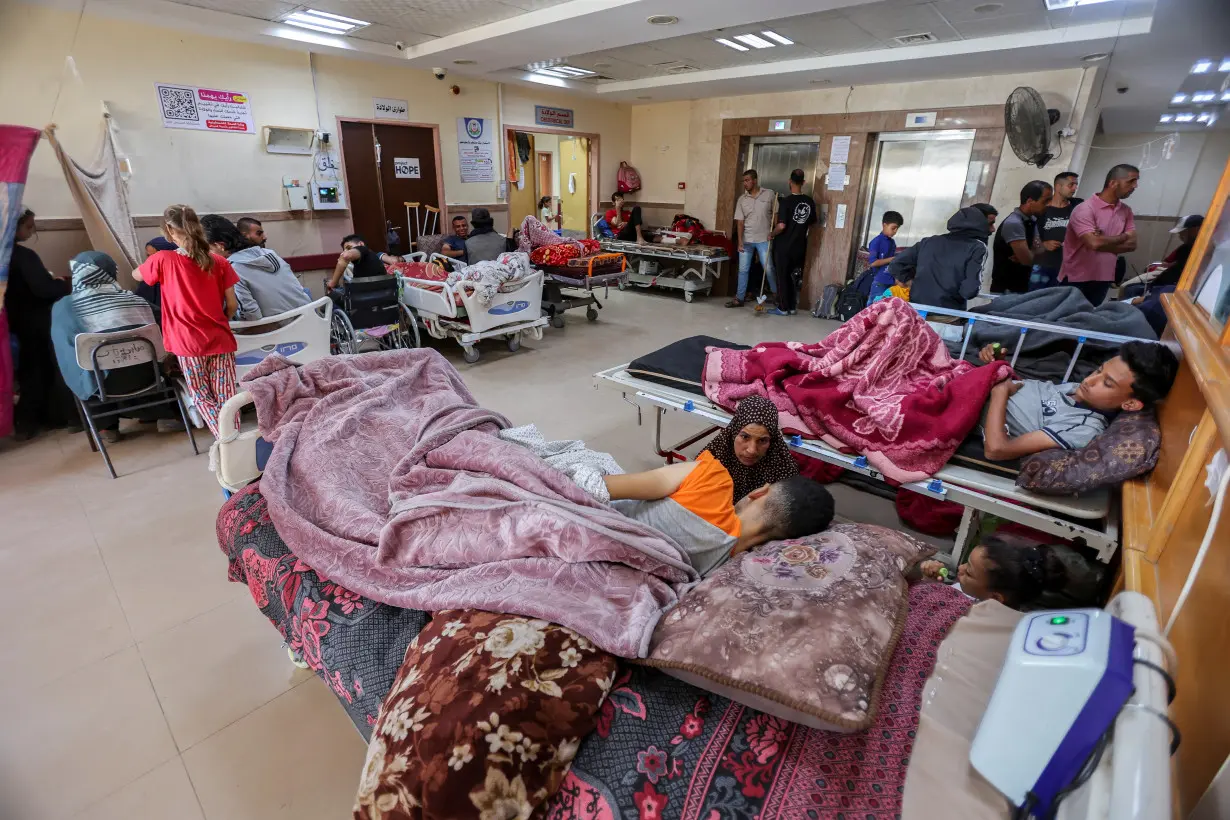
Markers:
<point>1100,229</point>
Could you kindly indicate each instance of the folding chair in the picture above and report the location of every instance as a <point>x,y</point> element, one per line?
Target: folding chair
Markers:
<point>105,353</point>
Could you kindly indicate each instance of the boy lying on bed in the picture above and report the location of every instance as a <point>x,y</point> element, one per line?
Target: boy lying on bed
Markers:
<point>1023,418</point>
<point>692,503</point>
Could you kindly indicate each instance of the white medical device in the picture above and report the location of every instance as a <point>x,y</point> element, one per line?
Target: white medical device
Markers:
<point>1065,679</point>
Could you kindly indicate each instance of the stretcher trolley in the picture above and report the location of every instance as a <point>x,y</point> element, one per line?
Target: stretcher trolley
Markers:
<point>572,285</point>
<point>455,311</point>
<point>689,268</point>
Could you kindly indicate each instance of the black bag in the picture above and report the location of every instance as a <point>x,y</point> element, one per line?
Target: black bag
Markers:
<point>849,303</point>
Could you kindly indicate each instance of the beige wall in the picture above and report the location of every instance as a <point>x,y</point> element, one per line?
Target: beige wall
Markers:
<point>120,62</point>
<point>704,118</point>
<point>660,146</point>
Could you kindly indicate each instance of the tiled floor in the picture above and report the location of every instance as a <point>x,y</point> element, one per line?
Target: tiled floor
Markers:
<point>139,684</point>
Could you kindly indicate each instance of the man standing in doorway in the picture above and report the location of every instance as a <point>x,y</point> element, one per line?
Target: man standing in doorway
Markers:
<point>753,220</point>
<point>252,230</point>
<point>1015,248</point>
<point>1053,229</point>
<point>795,216</point>
<point>1101,228</point>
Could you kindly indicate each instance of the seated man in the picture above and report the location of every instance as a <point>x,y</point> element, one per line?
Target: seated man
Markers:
<point>691,503</point>
<point>365,261</point>
<point>483,244</point>
<point>1023,418</point>
<point>267,286</point>
<point>455,244</point>
<point>626,225</point>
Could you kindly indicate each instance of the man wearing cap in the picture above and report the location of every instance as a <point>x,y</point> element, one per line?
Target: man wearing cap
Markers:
<point>1101,228</point>
<point>1187,229</point>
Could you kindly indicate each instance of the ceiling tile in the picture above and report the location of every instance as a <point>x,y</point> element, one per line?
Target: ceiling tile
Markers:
<point>535,5</point>
<point>993,26</point>
<point>441,18</point>
<point>960,11</point>
<point>258,9</point>
<point>888,20</point>
<point>380,33</point>
<point>828,35</point>
<point>612,66</point>
<point>373,11</point>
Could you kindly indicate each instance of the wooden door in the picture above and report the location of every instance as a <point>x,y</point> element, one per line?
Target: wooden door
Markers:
<point>521,198</point>
<point>408,173</point>
<point>363,183</point>
<point>574,183</point>
<point>546,177</point>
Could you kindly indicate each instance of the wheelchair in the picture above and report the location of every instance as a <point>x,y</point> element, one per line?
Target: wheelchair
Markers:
<point>369,309</point>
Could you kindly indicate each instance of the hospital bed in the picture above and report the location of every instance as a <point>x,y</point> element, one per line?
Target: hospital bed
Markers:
<point>695,270</point>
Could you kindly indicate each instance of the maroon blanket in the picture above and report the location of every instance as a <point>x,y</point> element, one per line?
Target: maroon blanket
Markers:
<point>388,479</point>
<point>883,385</point>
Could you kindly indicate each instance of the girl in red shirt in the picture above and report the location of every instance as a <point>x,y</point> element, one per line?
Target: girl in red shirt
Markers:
<point>198,296</point>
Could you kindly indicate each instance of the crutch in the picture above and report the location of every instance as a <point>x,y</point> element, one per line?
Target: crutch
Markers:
<point>412,223</point>
<point>435,220</point>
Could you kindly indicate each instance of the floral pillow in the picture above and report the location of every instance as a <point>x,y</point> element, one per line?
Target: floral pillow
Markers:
<point>1128,447</point>
<point>800,629</point>
<point>484,719</point>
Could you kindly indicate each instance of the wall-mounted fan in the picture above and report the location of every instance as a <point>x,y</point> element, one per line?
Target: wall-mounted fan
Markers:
<point>1028,122</point>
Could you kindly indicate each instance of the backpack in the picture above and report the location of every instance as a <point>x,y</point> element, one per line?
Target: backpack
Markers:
<point>627,180</point>
<point>849,303</point>
<point>826,308</point>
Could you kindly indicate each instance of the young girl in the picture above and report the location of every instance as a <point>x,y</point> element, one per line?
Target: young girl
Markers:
<point>198,294</point>
<point>1013,574</point>
<point>544,210</point>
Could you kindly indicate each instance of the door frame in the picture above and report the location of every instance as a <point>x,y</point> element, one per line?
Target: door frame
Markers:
<point>595,157</point>
<point>435,140</point>
<point>550,156</point>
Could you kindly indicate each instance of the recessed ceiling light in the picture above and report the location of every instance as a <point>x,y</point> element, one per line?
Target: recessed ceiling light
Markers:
<point>773,35</point>
<point>1094,57</point>
<point>1056,5</point>
<point>1167,118</point>
<point>1204,96</point>
<point>1178,99</point>
<point>465,62</point>
<point>754,40</point>
<point>1204,117</point>
<point>1225,65</point>
<point>987,8</point>
<point>662,20</point>
<point>566,72</point>
<point>1184,117</point>
<point>731,44</point>
<point>551,72</point>
<point>323,21</point>
<point>1225,96</point>
<point>1202,66</point>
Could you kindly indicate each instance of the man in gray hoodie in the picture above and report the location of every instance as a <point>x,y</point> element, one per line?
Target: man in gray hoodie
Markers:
<point>945,270</point>
<point>267,286</point>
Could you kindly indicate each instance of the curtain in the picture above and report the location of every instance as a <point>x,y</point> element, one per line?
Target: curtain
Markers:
<point>102,198</point>
<point>16,147</point>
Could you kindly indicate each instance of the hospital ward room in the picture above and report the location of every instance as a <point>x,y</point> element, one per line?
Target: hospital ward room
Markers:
<point>642,410</point>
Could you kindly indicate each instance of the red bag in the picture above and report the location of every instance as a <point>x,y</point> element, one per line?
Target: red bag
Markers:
<point>627,180</point>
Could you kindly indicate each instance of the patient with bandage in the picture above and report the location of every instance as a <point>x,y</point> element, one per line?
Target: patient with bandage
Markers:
<point>693,503</point>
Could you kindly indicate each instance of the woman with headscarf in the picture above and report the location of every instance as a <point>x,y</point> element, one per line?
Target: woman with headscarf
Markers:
<point>98,304</point>
<point>752,449</point>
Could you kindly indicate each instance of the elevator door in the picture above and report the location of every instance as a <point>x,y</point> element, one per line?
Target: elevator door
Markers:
<point>922,177</point>
<point>774,158</point>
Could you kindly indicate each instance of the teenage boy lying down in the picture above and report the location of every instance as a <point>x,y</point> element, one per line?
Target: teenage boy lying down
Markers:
<point>692,504</point>
<point>1028,417</point>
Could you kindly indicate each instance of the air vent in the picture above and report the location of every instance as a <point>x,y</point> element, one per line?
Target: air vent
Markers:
<point>673,67</point>
<point>915,39</point>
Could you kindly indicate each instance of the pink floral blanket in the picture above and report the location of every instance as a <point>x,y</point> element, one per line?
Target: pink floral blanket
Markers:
<point>883,385</point>
<point>388,479</point>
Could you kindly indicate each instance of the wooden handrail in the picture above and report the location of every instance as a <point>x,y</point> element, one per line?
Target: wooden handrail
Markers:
<point>1208,360</point>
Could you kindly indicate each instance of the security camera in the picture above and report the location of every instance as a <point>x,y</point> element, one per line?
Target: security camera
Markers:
<point>399,45</point>
<point>1123,89</point>
<point>439,72</point>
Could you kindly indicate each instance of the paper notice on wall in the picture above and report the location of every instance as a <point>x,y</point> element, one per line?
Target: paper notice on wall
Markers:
<point>841,150</point>
<point>836,180</point>
<point>476,149</point>
<point>384,108</point>
<point>407,168</point>
<point>841,217</point>
<point>205,109</point>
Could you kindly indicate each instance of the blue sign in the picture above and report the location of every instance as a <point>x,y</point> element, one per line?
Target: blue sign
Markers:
<point>508,308</point>
<point>557,117</point>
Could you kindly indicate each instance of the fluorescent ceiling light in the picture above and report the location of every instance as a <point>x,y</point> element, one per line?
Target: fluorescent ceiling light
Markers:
<point>1167,118</point>
<point>754,40</point>
<point>1056,5</point>
<point>551,72</point>
<point>1205,117</point>
<point>1204,96</point>
<point>574,71</point>
<point>1178,99</point>
<point>1225,65</point>
<point>323,21</point>
<point>1225,96</point>
<point>1202,66</point>
<point>1184,117</point>
<point>773,35</point>
<point>731,44</point>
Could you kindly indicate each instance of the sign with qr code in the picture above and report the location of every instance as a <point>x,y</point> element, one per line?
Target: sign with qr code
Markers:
<point>407,168</point>
<point>205,109</point>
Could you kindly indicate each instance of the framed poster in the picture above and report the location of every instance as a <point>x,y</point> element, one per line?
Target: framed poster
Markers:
<point>475,149</point>
<point>204,109</point>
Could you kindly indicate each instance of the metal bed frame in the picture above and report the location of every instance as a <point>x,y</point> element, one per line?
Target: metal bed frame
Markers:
<point>1093,517</point>
<point>698,276</point>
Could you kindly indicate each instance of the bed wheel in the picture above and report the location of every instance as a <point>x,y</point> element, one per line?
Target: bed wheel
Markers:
<point>514,343</point>
<point>687,296</point>
<point>623,286</point>
<point>592,314</point>
<point>557,320</point>
<point>471,354</point>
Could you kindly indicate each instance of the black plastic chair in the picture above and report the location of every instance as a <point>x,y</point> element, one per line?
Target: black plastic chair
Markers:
<point>105,353</point>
